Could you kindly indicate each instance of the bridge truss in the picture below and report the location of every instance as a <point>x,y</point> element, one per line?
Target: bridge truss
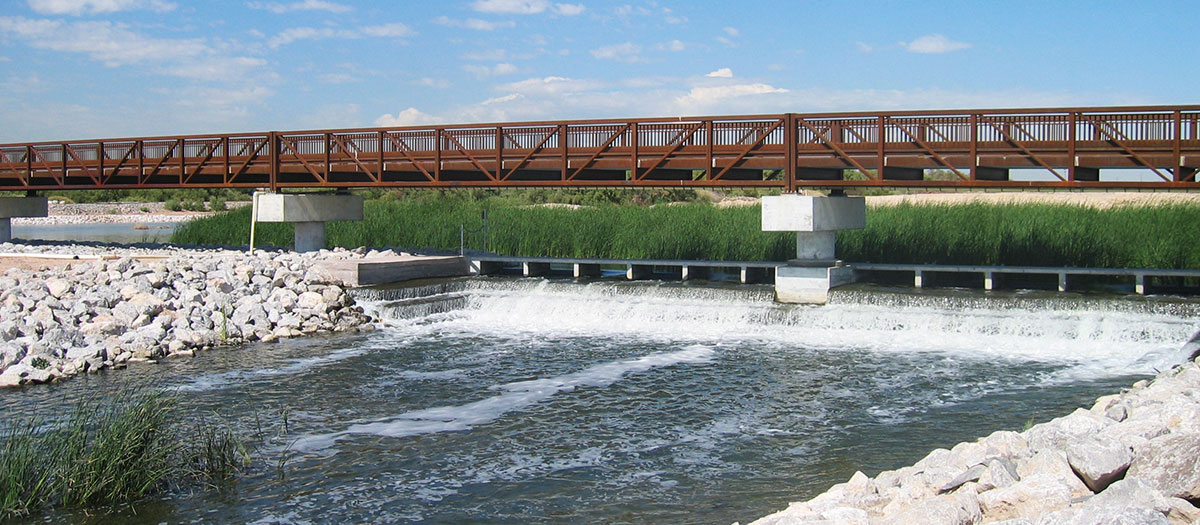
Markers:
<point>966,148</point>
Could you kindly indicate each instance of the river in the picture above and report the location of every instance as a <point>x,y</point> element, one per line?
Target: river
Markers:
<point>518,400</point>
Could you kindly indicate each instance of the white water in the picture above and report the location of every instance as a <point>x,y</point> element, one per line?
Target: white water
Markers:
<point>1096,340</point>
<point>513,396</point>
<point>1083,344</point>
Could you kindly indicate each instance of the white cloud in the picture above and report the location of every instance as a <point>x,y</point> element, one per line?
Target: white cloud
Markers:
<point>864,47</point>
<point>488,55</point>
<point>500,100</point>
<point>216,68</point>
<point>702,97</point>
<point>5,59</point>
<point>721,73</point>
<point>80,7</point>
<point>394,29</point>
<point>484,71</point>
<point>934,44</point>
<point>338,78</point>
<point>432,82</point>
<point>549,86</point>
<point>310,33</point>
<point>626,52</point>
<point>511,7</point>
<point>472,23</point>
<point>526,7</point>
<point>112,44</point>
<point>407,117</point>
<point>569,9</point>
<point>674,45</point>
<point>731,31</point>
<point>280,8</point>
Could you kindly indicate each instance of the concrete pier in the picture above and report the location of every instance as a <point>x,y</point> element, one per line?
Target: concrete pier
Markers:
<point>20,207</point>
<point>808,278</point>
<point>310,212</point>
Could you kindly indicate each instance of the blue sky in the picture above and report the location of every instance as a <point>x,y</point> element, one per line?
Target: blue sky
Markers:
<point>75,69</point>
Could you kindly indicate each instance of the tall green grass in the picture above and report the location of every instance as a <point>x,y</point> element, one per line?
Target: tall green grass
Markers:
<point>1005,234</point>
<point>107,452</point>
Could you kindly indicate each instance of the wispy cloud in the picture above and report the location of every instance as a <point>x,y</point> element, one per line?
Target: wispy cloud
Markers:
<point>81,7</point>
<point>625,52</point>
<point>934,44</point>
<point>280,8</point>
<point>287,36</point>
<point>526,7</point>
<point>721,73</point>
<point>484,71</point>
<point>108,42</point>
<point>408,117</point>
<point>472,23</point>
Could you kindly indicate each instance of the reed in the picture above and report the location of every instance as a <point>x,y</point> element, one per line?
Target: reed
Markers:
<point>977,233</point>
<point>106,452</point>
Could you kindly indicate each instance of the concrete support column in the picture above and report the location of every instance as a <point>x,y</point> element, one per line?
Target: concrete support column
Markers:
<point>587,270</point>
<point>310,212</point>
<point>808,278</point>
<point>534,269</point>
<point>688,273</point>
<point>1062,282</point>
<point>989,281</point>
<point>637,272</point>
<point>310,236</point>
<point>20,207</point>
<point>1139,284</point>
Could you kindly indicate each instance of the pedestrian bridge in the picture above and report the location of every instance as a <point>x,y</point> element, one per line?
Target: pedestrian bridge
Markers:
<point>1070,148</point>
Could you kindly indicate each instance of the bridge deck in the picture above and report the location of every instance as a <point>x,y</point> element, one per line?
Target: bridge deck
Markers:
<point>972,148</point>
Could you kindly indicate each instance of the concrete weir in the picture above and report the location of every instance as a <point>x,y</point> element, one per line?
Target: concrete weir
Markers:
<point>310,212</point>
<point>808,278</point>
<point>20,207</point>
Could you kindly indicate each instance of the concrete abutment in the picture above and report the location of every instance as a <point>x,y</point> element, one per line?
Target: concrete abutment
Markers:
<point>309,212</point>
<point>20,207</point>
<point>808,278</point>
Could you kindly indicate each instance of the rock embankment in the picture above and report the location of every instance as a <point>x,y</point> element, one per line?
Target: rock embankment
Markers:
<point>56,323</point>
<point>1134,457</point>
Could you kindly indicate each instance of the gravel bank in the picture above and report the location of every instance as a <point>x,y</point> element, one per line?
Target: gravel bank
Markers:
<point>1131,458</point>
<point>130,303</point>
<point>113,213</point>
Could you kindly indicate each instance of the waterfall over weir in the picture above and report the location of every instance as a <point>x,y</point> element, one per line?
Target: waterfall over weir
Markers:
<point>1096,335</point>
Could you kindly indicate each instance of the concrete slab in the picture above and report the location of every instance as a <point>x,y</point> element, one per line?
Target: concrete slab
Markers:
<point>309,207</point>
<point>384,270</point>
<point>809,285</point>
<point>803,213</point>
<point>24,207</point>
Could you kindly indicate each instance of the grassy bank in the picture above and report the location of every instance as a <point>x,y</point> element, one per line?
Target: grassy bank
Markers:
<point>1007,234</point>
<point>110,452</point>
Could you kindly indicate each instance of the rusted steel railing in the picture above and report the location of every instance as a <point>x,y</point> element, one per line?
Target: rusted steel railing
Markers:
<point>956,148</point>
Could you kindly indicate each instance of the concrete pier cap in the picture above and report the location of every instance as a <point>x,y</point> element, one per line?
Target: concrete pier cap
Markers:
<point>310,212</point>
<point>808,278</point>
<point>20,207</point>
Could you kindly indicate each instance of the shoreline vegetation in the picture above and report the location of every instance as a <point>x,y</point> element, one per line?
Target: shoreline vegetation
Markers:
<point>978,233</point>
<point>113,451</point>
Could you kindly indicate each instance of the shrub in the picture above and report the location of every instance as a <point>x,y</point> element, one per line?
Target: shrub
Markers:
<point>217,204</point>
<point>171,205</point>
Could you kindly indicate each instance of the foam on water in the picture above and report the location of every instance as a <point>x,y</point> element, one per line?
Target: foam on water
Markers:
<point>513,396</point>
<point>294,366</point>
<point>1095,338</point>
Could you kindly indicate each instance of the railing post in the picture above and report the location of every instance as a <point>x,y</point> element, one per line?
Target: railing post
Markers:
<point>328,159</point>
<point>273,148</point>
<point>633,157</point>
<point>881,157</point>
<point>1071,133</point>
<point>562,143</point>
<point>708,130</point>
<point>499,152</point>
<point>973,121</point>
<point>100,161</point>
<point>790,139</point>
<point>182,160</point>
<point>437,155</point>
<point>1177,146</point>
